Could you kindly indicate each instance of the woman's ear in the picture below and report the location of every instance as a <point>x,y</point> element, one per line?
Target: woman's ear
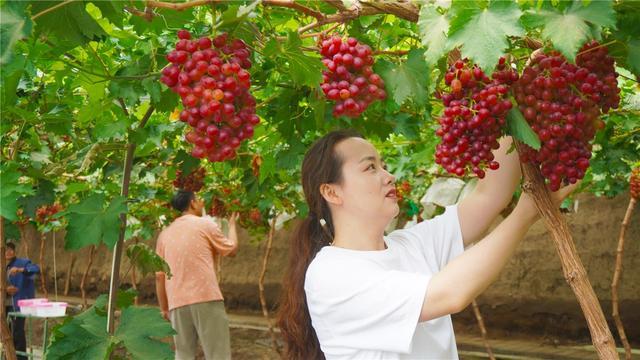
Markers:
<point>331,194</point>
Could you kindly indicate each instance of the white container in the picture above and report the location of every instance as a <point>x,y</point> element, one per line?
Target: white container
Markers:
<point>51,309</point>
<point>28,306</point>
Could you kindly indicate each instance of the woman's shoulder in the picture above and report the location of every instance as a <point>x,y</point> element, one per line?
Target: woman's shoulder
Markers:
<point>337,262</point>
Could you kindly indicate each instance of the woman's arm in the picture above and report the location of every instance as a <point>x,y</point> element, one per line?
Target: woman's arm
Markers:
<point>492,194</point>
<point>468,275</point>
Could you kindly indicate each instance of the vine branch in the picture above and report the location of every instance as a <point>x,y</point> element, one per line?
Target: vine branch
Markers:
<point>179,6</point>
<point>402,9</point>
<point>48,10</point>
<point>295,6</point>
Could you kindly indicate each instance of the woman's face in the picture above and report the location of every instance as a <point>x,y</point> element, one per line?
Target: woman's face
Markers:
<point>367,188</point>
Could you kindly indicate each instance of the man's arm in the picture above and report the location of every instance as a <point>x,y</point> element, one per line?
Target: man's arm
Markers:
<point>31,269</point>
<point>28,269</point>
<point>161,293</point>
<point>233,233</point>
<point>224,245</point>
<point>477,211</point>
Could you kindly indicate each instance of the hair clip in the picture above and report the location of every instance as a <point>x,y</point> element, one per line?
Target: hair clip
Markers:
<point>323,222</point>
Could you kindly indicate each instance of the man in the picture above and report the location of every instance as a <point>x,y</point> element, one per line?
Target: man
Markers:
<point>191,299</point>
<point>20,286</point>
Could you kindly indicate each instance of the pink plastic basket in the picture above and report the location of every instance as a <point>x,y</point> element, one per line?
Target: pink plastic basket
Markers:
<point>51,309</point>
<point>28,306</point>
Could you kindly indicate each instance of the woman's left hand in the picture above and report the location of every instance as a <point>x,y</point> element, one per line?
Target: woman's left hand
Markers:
<point>527,201</point>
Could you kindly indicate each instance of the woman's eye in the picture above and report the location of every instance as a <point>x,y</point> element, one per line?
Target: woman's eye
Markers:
<point>372,166</point>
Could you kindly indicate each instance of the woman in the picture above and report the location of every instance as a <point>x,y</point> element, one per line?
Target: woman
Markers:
<point>353,293</point>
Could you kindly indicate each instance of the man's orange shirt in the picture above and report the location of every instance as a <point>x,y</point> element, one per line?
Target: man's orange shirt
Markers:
<point>189,245</point>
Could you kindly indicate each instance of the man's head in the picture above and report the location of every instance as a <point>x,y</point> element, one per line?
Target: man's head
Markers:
<point>10,251</point>
<point>187,202</point>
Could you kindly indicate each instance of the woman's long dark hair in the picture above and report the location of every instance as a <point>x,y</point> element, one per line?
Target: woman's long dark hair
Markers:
<point>321,165</point>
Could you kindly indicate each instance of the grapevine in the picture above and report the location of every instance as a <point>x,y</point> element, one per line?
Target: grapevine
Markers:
<point>634,183</point>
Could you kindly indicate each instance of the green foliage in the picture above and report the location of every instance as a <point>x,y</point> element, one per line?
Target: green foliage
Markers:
<point>146,259</point>
<point>82,337</point>
<point>15,24</point>
<point>85,336</point>
<point>520,129</point>
<point>44,195</point>
<point>434,28</point>
<point>482,33</point>
<point>139,329</point>
<point>303,69</point>
<point>67,26</point>
<point>11,190</point>
<point>91,222</point>
<point>408,79</point>
<point>570,28</point>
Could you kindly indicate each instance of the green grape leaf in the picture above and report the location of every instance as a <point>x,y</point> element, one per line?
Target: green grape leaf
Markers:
<point>520,129</point>
<point>570,29</point>
<point>268,167</point>
<point>407,80</point>
<point>304,70</point>
<point>482,33</point>
<point>112,10</point>
<point>140,329</point>
<point>91,223</point>
<point>15,24</point>
<point>407,125</point>
<point>124,299</point>
<point>44,195</point>
<point>146,259</point>
<point>83,337</point>
<point>433,28</point>
<point>70,24</point>
<point>106,127</point>
<point>11,190</point>
<point>11,74</point>
<point>633,56</point>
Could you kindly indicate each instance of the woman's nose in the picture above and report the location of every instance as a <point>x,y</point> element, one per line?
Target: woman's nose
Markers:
<point>390,178</point>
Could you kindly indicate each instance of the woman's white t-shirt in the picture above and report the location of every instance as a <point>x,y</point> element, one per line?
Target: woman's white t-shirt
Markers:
<point>366,304</point>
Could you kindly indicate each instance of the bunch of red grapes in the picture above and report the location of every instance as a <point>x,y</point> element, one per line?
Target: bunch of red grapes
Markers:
<point>218,208</point>
<point>45,213</point>
<point>223,208</point>
<point>634,183</point>
<point>349,79</point>
<point>562,103</point>
<point>473,117</point>
<point>213,83</point>
<point>23,219</point>
<point>193,181</point>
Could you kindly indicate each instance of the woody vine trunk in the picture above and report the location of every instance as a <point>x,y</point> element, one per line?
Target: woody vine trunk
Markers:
<point>572,268</point>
